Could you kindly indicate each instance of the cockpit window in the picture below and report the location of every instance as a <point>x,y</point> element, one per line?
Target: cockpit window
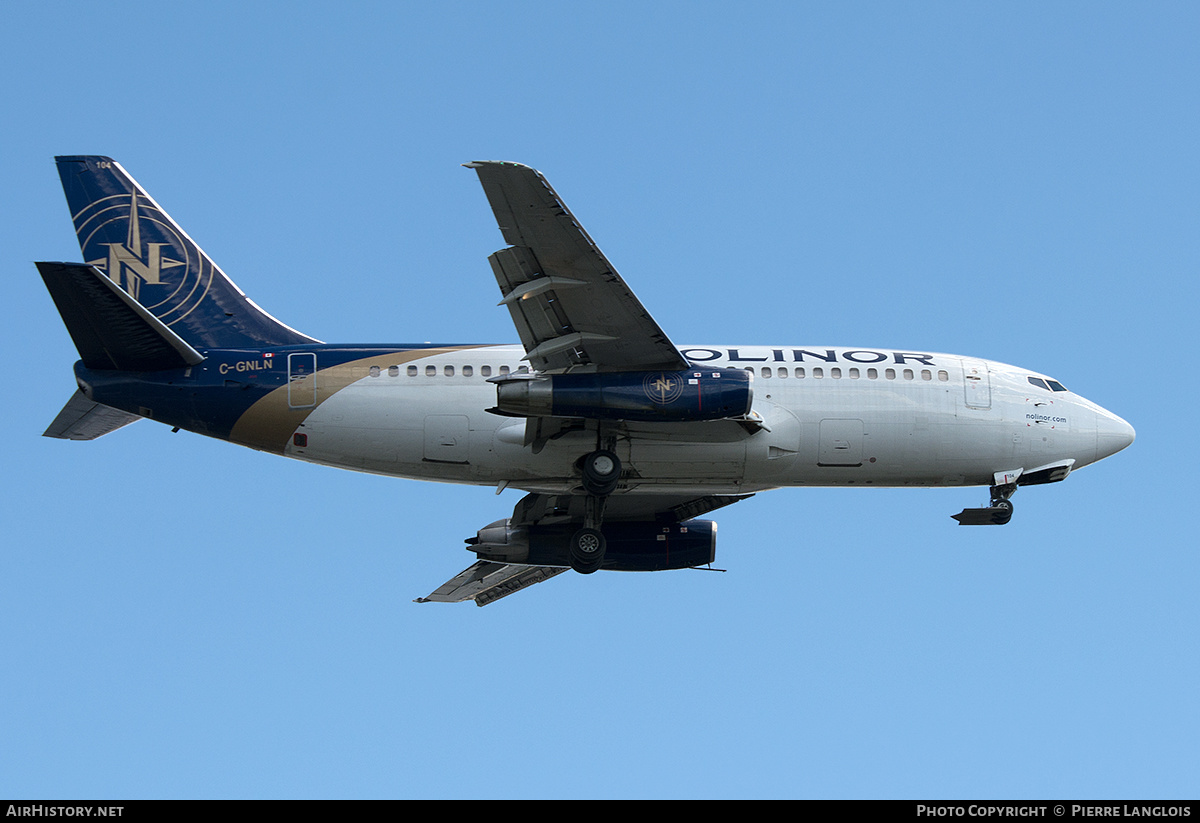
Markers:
<point>1047,384</point>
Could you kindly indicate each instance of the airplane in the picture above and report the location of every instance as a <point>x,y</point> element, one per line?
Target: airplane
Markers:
<point>620,439</point>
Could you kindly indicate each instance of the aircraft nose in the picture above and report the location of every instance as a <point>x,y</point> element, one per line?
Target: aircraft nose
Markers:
<point>1112,434</point>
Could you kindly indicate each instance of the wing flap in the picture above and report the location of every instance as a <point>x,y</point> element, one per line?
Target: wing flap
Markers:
<point>486,582</point>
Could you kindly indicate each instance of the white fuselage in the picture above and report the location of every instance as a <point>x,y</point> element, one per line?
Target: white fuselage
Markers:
<point>832,417</point>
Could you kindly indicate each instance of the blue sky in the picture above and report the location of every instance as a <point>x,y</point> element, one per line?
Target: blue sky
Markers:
<point>184,618</point>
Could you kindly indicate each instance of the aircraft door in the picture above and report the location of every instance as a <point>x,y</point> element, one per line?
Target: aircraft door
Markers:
<point>302,380</point>
<point>841,443</point>
<point>977,384</point>
<point>447,438</point>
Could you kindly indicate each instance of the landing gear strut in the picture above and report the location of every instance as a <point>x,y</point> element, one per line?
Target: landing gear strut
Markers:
<point>601,473</point>
<point>998,512</point>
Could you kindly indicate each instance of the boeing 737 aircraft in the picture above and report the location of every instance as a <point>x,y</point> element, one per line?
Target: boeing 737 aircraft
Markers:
<point>620,438</point>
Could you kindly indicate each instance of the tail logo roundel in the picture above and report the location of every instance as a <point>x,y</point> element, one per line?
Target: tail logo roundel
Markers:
<point>130,239</point>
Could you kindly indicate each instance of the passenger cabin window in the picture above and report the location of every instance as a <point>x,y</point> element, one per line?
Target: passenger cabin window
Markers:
<point>412,371</point>
<point>393,371</point>
<point>448,371</point>
<point>431,371</point>
<point>374,371</point>
<point>504,370</point>
<point>467,371</point>
<point>943,376</point>
<point>485,371</point>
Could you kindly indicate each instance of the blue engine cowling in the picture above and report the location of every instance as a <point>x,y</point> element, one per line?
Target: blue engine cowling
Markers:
<point>632,546</point>
<point>679,396</point>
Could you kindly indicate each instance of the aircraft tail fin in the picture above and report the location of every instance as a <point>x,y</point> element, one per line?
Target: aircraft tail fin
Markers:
<point>111,330</point>
<point>127,237</point>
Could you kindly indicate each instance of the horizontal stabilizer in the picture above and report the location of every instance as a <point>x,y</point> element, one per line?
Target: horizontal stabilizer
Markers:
<point>83,419</point>
<point>111,330</point>
<point>486,582</point>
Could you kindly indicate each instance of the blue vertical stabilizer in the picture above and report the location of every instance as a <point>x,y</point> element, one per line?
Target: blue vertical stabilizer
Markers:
<point>127,236</point>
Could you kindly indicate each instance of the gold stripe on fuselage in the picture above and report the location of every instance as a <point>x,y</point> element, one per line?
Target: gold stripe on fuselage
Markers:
<point>269,423</point>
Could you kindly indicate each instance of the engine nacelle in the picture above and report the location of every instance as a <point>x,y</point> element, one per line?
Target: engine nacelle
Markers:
<point>633,546</point>
<point>670,396</point>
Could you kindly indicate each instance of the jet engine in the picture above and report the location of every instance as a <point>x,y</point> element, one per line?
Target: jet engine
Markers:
<point>670,396</point>
<point>633,546</point>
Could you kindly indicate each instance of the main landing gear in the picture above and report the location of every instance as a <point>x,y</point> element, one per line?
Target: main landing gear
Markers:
<point>998,513</point>
<point>601,473</point>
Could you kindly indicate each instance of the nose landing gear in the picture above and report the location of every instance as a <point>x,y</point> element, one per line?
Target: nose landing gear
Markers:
<point>998,513</point>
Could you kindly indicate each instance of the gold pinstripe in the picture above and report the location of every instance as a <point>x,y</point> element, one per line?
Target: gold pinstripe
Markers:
<point>269,423</point>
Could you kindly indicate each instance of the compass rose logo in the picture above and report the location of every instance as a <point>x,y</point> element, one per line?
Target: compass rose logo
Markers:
<point>662,387</point>
<point>131,240</point>
<point>133,263</point>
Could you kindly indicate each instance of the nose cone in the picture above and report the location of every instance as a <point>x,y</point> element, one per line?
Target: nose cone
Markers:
<point>1112,434</point>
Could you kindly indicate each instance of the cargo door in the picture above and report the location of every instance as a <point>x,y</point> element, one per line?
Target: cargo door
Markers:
<point>841,443</point>
<point>446,438</point>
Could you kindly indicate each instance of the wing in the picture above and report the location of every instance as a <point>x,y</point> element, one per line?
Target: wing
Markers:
<point>571,308</point>
<point>489,579</point>
<point>486,582</point>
